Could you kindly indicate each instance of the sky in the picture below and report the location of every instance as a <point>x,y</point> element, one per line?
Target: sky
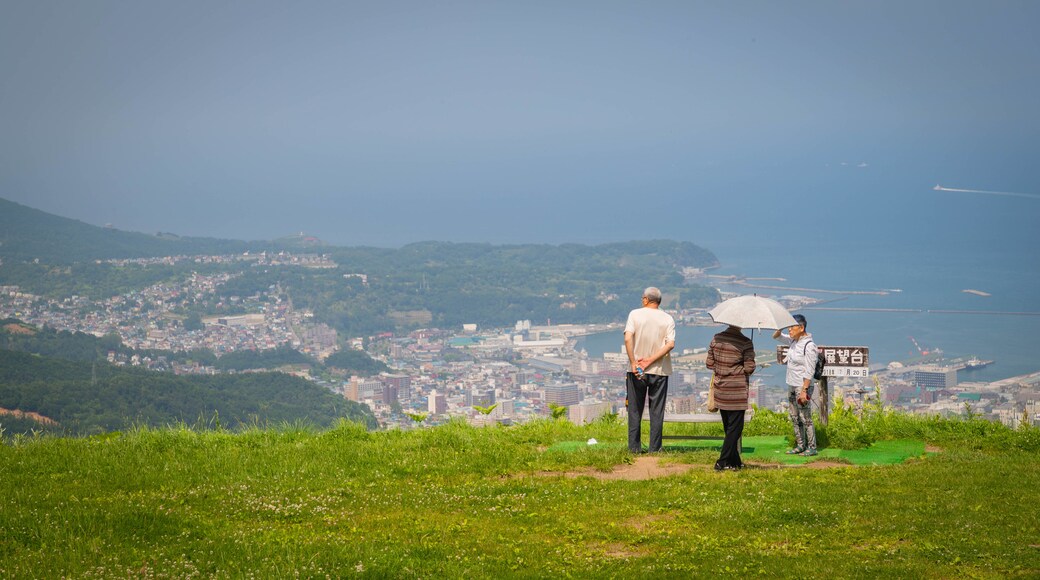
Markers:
<point>385,123</point>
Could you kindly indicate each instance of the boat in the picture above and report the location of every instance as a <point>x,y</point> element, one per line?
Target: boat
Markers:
<point>976,363</point>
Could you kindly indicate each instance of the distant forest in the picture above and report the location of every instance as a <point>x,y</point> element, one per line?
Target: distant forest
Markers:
<point>65,377</point>
<point>89,397</point>
<point>436,284</point>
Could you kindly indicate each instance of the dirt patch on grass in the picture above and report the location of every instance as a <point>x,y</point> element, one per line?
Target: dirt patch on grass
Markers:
<point>756,465</point>
<point>621,551</point>
<point>643,523</point>
<point>928,448</point>
<point>641,469</point>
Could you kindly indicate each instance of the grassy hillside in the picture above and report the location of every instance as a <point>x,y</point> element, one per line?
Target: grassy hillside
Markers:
<point>457,501</point>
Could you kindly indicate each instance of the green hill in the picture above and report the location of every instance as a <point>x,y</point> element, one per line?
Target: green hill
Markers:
<point>86,397</point>
<point>372,290</point>
<point>28,234</point>
<point>457,501</point>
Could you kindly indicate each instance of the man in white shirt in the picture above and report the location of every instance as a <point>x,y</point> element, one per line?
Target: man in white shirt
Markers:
<point>649,340</point>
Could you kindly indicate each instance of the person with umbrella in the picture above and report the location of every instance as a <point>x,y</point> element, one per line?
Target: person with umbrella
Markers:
<point>801,364</point>
<point>731,356</point>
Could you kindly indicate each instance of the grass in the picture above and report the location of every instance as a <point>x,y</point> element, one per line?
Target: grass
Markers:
<point>456,501</point>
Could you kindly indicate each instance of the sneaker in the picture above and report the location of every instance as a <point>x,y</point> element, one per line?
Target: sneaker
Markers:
<point>808,453</point>
<point>795,451</point>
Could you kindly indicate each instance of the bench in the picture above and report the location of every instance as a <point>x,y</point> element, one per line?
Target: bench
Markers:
<point>699,418</point>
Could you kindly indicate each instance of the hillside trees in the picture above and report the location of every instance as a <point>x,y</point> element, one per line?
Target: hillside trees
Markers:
<point>94,397</point>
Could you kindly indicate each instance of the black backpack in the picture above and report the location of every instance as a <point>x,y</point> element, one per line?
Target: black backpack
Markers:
<point>821,362</point>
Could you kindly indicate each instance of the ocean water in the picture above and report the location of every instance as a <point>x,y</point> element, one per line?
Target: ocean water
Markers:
<point>929,278</point>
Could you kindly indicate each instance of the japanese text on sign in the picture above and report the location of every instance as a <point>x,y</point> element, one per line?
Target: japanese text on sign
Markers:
<point>842,361</point>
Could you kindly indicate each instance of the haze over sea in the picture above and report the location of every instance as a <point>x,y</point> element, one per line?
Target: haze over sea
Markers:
<point>930,277</point>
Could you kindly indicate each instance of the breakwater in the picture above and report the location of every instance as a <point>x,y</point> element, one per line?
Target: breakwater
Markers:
<point>925,311</point>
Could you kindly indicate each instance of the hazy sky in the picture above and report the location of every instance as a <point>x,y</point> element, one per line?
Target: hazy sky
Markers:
<point>383,123</point>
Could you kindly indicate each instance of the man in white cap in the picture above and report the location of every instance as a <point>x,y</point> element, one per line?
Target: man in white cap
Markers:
<point>801,364</point>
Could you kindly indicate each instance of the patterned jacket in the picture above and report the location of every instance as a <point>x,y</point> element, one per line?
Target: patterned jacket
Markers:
<point>732,356</point>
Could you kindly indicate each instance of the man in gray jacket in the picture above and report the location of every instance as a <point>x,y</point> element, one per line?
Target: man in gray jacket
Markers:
<point>801,363</point>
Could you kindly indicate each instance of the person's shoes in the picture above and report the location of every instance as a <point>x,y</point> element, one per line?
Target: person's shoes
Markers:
<point>719,467</point>
<point>808,453</point>
<point>795,451</point>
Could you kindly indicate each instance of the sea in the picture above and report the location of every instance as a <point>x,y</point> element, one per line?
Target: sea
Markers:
<point>1002,326</point>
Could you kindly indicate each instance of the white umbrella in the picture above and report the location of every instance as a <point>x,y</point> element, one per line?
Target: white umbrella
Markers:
<point>752,312</point>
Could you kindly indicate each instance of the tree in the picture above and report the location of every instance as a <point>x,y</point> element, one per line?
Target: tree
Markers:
<point>418,418</point>
<point>193,322</point>
<point>557,411</point>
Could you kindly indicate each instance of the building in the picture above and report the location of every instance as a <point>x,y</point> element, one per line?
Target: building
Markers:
<point>402,383</point>
<point>616,359</point>
<point>683,405</point>
<point>933,377</point>
<point>583,413</point>
<point>479,396</point>
<point>549,365</point>
<point>438,403</point>
<point>241,320</point>
<point>506,408</point>
<point>350,391</point>
<point>563,394</point>
<point>360,388</point>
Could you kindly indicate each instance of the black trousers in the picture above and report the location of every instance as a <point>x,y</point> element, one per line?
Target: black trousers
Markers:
<point>656,388</point>
<point>733,423</point>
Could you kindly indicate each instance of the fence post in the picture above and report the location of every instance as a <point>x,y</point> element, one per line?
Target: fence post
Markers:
<point>825,403</point>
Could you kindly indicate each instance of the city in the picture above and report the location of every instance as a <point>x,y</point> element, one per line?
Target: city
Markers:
<point>510,374</point>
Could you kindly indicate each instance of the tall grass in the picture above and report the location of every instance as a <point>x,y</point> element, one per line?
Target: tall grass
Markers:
<point>455,501</point>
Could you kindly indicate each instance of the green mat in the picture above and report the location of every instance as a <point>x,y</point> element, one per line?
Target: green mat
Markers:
<point>773,448</point>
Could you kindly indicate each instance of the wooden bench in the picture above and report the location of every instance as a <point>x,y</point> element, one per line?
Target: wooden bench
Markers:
<point>699,418</point>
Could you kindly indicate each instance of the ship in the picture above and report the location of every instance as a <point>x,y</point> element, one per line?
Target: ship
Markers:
<point>976,363</point>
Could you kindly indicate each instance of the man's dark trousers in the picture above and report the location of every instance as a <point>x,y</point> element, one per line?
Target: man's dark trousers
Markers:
<point>656,386</point>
